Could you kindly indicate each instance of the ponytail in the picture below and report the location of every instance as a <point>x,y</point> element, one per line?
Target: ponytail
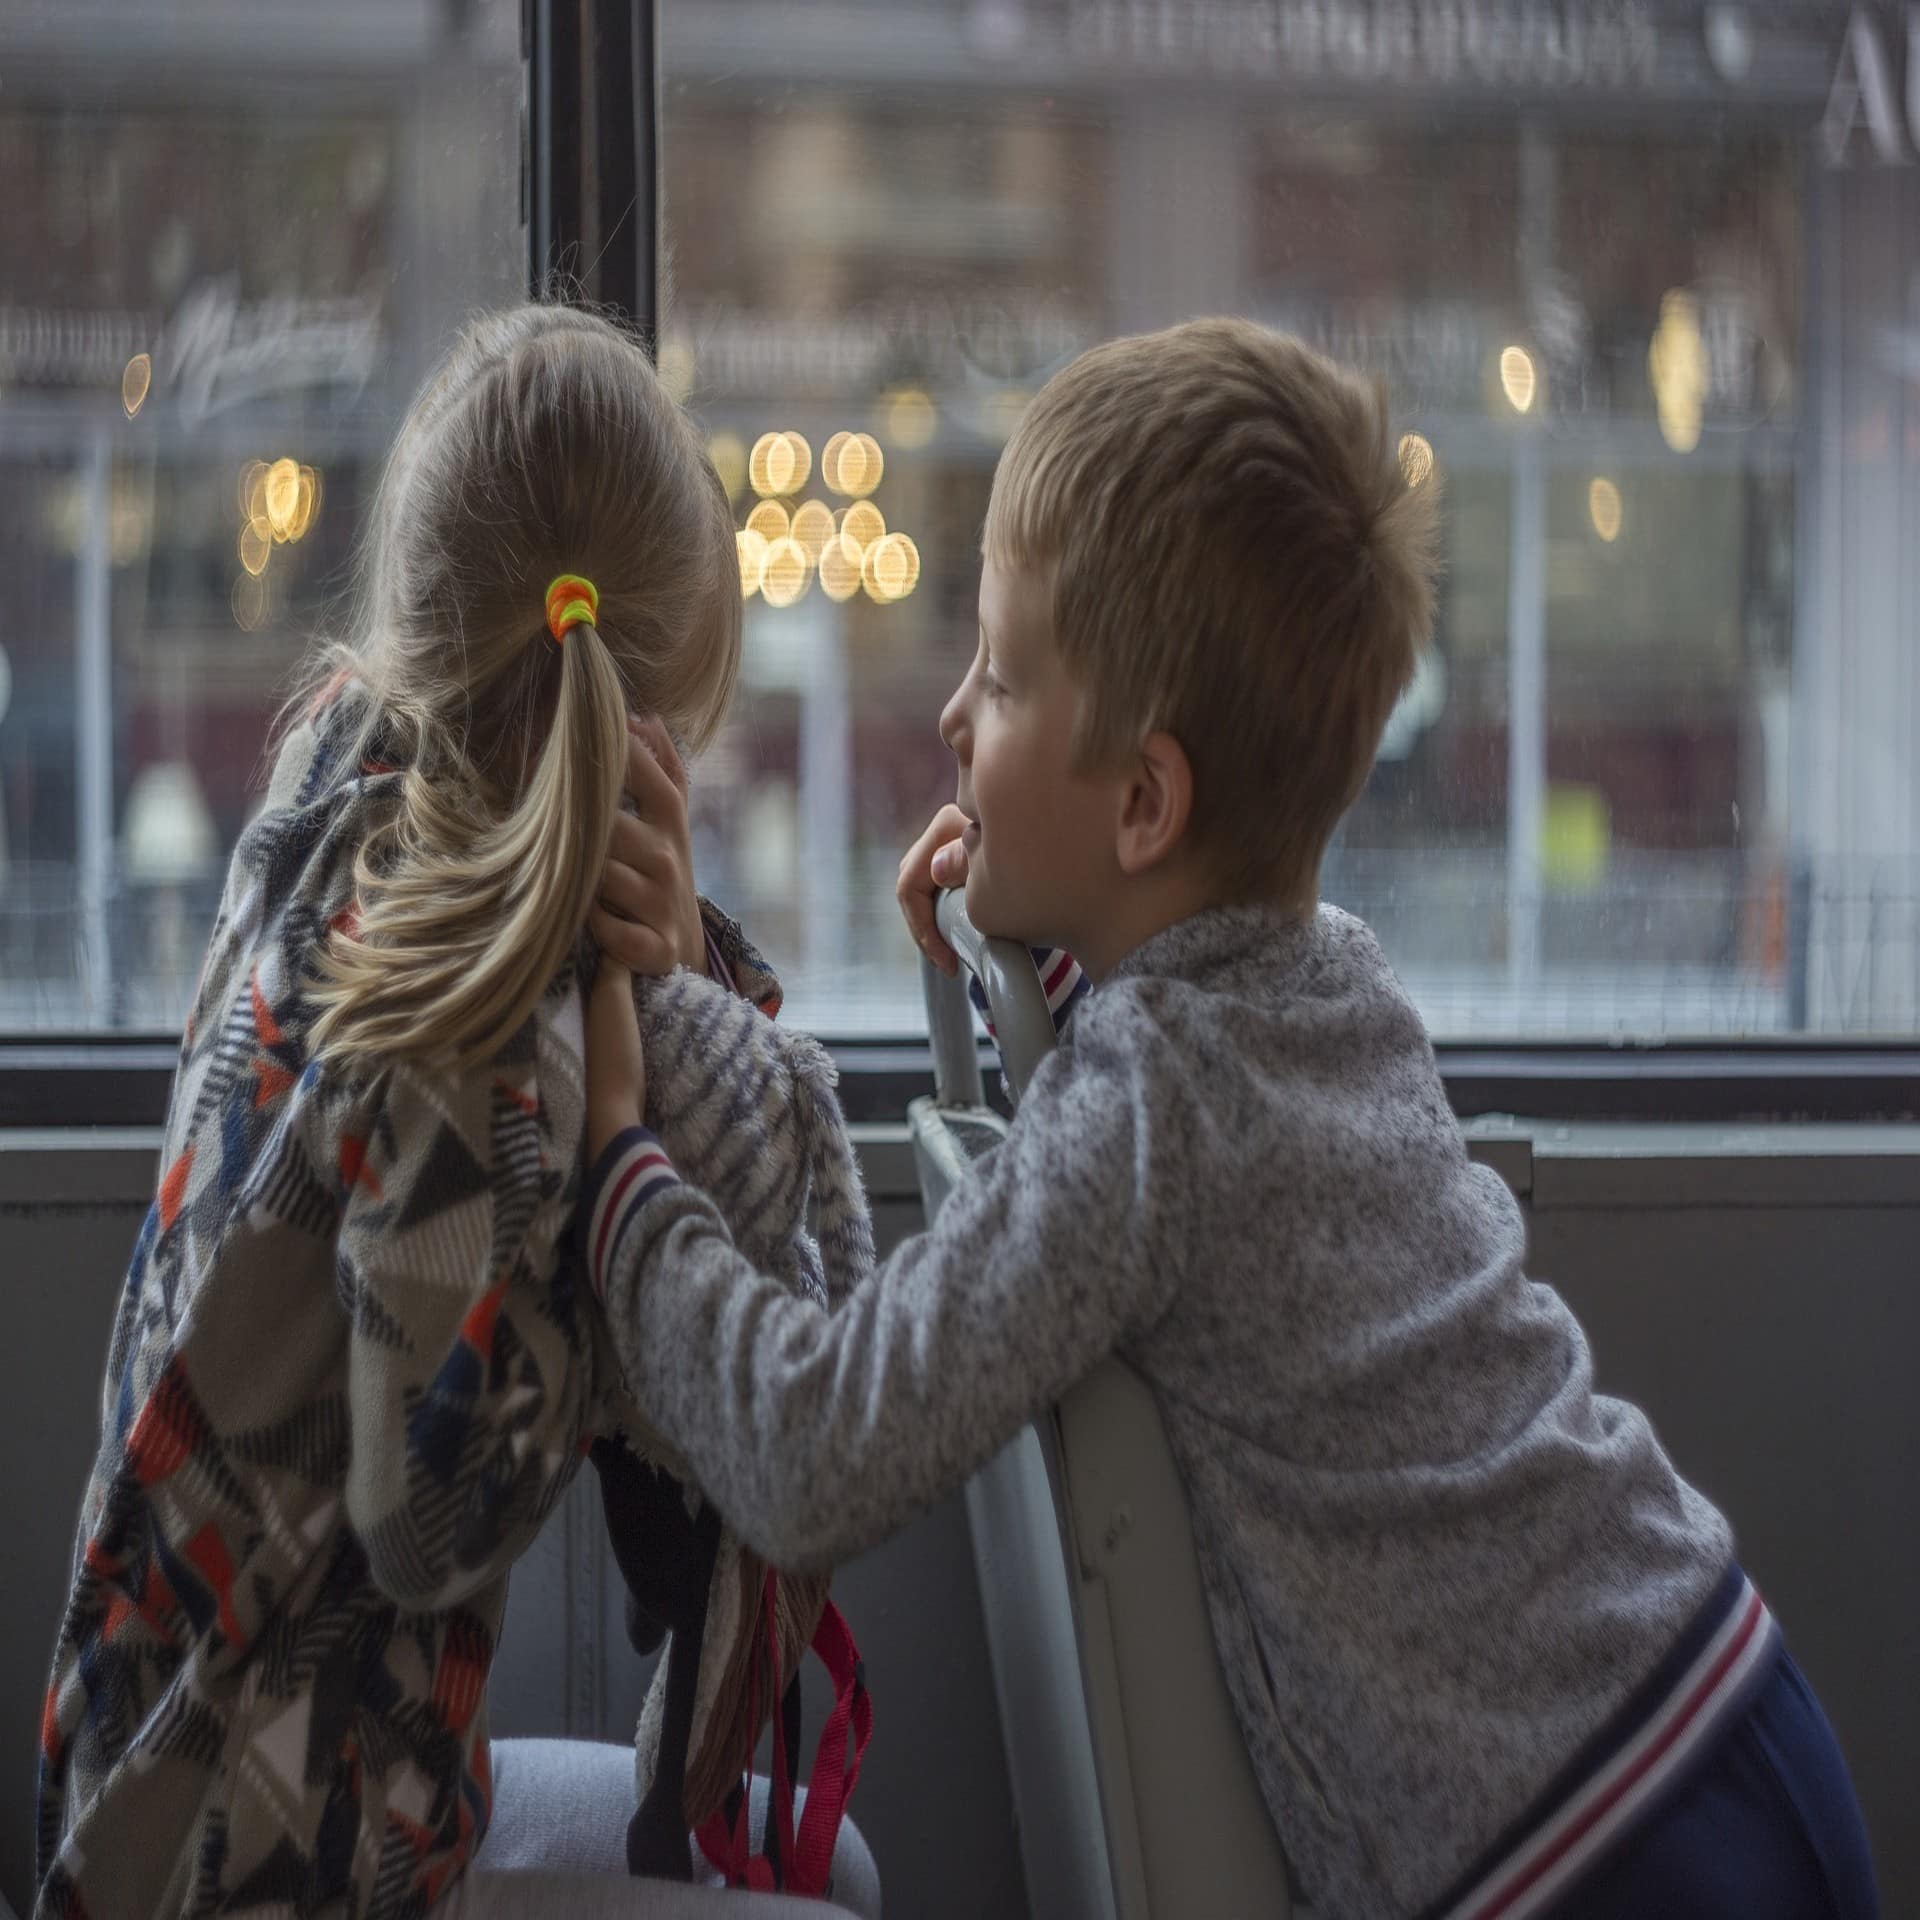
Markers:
<point>545,442</point>
<point>465,918</point>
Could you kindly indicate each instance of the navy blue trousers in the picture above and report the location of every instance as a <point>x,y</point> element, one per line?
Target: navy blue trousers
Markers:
<point>1768,1829</point>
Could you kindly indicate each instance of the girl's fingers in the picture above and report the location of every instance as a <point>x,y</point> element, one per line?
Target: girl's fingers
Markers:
<point>635,947</point>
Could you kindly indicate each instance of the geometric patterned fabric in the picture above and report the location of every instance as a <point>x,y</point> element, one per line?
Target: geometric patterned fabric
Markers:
<point>354,1366</point>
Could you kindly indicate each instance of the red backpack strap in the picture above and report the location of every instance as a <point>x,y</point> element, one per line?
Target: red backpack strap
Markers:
<point>806,1857</point>
<point>834,1776</point>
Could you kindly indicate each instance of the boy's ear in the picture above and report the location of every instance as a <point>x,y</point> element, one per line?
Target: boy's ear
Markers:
<point>1156,805</point>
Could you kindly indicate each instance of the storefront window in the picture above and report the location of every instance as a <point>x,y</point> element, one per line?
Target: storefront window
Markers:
<point>1593,250</point>
<point>228,258</point>
<point>1641,276</point>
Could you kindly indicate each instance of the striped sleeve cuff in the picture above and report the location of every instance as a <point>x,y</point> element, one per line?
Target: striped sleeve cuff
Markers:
<point>631,1170</point>
<point>1062,976</point>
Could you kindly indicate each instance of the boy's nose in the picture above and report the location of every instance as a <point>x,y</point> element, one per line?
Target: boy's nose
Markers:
<point>953,722</point>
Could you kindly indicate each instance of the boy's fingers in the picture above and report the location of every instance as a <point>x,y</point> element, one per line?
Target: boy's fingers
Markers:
<point>924,869</point>
<point>652,735</point>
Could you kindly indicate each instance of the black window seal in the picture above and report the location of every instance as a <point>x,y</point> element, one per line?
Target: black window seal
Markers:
<point>124,1080</point>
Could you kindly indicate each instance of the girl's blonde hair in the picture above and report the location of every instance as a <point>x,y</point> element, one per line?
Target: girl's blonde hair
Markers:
<point>544,445</point>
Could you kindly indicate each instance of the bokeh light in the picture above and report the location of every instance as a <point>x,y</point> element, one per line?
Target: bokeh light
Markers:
<point>1603,504</point>
<point>254,548</point>
<point>1416,457</point>
<point>1517,378</point>
<point>813,527</point>
<point>282,496</point>
<point>830,462</point>
<point>860,466</point>
<point>134,383</point>
<point>752,551</point>
<point>1678,368</point>
<point>769,521</point>
<point>786,574</point>
<point>891,568</point>
<point>864,524</point>
<point>840,561</point>
<point>911,417</point>
<point>802,460</point>
<point>249,602</point>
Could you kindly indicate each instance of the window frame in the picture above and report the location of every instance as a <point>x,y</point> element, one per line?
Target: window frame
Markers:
<point>590,192</point>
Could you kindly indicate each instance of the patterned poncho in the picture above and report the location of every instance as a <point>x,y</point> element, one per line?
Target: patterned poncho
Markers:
<point>351,1372</point>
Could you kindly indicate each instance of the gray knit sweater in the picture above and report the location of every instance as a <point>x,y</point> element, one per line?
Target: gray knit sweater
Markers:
<point>1437,1561</point>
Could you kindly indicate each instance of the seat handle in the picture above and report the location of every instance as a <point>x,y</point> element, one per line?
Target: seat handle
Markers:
<point>1016,1005</point>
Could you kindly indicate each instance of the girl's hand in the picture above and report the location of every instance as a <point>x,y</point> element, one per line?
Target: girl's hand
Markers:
<point>936,860</point>
<point>616,1066</point>
<point>647,915</point>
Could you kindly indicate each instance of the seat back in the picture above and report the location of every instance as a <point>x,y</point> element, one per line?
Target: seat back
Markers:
<point>1134,1790</point>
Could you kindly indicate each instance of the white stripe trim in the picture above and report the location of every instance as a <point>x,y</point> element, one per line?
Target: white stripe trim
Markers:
<point>633,1161</point>
<point>1064,991</point>
<point>648,1185</point>
<point>1699,1726</point>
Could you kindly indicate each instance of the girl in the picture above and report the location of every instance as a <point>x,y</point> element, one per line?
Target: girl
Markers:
<point>351,1371</point>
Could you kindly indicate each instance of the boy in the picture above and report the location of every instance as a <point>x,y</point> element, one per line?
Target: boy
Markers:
<point>1490,1654</point>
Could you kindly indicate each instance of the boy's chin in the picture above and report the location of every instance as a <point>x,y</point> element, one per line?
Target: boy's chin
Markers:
<point>995,919</point>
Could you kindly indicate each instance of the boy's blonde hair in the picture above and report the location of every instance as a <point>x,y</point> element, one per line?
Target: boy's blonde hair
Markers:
<point>545,444</point>
<point>1236,557</point>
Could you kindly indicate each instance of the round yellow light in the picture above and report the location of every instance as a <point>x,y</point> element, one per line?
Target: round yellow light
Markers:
<point>891,568</point>
<point>864,524</point>
<point>307,504</point>
<point>1517,378</point>
<point>257,504</point>
<point>752,552</point>
<point>1603,503</point>
<point>1678,367</point>
<point>249,602</point>
<point>134,383</point>
<point>830,462</point>
<point>759,463</point>
<point>783,465</point>
<point>728,453</point>
<point>861,465</point>
<point>769,521</point>
<point>253,500</point>
<point>813,527</point>
<point>1416,457</point>
<point>283,496</point>
<point>254,548</point>
<point>802,460</point>
<point>911,417</point>
<point>840,568</point>
<point>787,573</point>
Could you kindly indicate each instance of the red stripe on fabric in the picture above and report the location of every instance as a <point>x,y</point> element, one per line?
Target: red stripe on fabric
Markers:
<point>1755,1610</point>
<point>650,1157</point>
<point>1059,973</point>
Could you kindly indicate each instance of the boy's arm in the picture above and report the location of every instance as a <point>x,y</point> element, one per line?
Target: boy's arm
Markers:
<point>818,1435</point>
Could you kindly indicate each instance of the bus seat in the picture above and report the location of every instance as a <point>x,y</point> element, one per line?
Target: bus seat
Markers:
<point>1132,1785</point>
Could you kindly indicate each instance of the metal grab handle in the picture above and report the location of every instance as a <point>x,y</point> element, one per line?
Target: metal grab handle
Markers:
<point>1016,1004</point>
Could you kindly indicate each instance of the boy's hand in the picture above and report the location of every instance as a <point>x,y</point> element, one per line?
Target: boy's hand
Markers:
<point>616,1066</point>
<point>934,861</point>
<point>647,915</point>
